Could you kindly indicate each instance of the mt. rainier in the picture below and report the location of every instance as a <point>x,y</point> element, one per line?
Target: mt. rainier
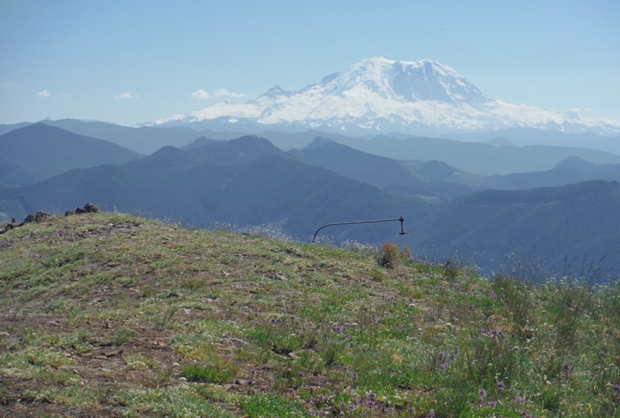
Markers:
<point>381,96</point>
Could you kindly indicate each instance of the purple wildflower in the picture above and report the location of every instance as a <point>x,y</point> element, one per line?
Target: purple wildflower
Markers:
<point>617,388</point>
<point>431,414</point>
<point>444,366</point>
<point>482,392</point>
<point>500,386</point>
<point>338,329</point>
<point>492,404</point>
<point>521,399</point>
<point>567,368</point>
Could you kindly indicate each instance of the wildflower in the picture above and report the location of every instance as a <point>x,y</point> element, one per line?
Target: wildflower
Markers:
<point>492,404</point>
<point>617,388</point>
<point>567,368</point>
<point>431,414</point>
<point>521,399</point>
<point>500,386</point>
<point>442,356</point>
<point>482,392</point>
<point>444,366</point>
<point>338,329</point>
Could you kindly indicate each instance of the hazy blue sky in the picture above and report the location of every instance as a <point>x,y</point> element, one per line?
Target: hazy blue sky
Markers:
<point>135,61</point>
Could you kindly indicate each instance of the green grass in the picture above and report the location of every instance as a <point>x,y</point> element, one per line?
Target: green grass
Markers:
<point>131,317</point>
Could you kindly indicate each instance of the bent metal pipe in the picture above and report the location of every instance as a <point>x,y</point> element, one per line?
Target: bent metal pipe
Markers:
<point>401,220</point>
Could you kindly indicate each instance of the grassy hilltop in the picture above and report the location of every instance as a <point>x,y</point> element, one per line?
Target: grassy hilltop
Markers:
<point>106,314</point>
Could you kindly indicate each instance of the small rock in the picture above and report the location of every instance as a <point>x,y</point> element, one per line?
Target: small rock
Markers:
<point>37,217</point>
<point>114,353</point>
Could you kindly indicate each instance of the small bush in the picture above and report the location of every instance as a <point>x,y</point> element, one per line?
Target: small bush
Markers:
<point>122,335</point>
<point>210,374</point>
<point>390,254</point>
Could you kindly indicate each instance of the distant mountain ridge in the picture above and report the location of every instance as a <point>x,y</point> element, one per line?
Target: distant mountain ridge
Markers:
<point>36,152</point>
<point>382,96</point>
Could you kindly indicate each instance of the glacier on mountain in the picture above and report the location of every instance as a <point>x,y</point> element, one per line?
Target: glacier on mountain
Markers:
<point>381,96</point>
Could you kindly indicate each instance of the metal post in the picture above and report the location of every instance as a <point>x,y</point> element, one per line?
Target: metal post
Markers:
<point>401,220</point>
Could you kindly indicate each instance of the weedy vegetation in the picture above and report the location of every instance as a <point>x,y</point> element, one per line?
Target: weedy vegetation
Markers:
<point>106,314</point>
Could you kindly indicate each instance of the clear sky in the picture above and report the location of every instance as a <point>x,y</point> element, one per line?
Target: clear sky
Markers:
<point>127,61</point>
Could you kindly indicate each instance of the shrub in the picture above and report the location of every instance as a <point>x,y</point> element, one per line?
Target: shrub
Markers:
<point>390,254</point>
<point>221,373</point>
<point>122,335</point>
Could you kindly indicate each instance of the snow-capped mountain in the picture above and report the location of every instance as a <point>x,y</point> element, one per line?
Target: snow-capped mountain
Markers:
<point>381,95</point>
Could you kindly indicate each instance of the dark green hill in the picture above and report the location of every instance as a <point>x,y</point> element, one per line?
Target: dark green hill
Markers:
<point>353,163</point>
<point>564,228</point>
<point>271,190</point>
<point>435,170</point>
<point>37,152</point>
<point>12,175</point>
<point>386,173</point>
<point>199,142</point>
<point>237,150</point>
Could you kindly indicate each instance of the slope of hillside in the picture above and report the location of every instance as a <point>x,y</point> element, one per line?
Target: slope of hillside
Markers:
<point>106,314</point>
<point>573,229</point>
<point>352,163</point>
<point>40,151</point>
